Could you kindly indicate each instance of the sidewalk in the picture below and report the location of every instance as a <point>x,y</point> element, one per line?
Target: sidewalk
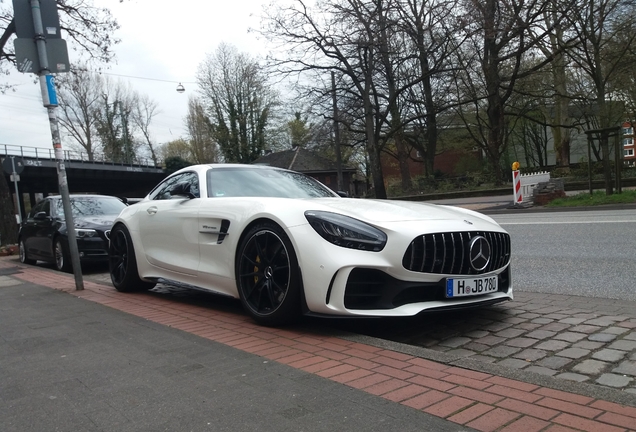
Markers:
<point>148,363</point>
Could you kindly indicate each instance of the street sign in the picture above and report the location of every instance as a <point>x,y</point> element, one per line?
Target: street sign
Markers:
<point>7,164</point>
<point>27,60</point>
<point>14,178</point>
<point>23,16</point>
<point>42,14</point>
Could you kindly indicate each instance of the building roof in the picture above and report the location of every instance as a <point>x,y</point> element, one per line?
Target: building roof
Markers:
<point>301,160</point>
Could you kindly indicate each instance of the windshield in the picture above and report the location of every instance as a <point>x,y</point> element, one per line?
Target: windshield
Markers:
<point>92,206</point>
<point>259,182</point>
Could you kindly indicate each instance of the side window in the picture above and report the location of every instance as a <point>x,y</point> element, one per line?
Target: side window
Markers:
<point>193,180</point>
<point>162,192</point>
<point>42,206</point>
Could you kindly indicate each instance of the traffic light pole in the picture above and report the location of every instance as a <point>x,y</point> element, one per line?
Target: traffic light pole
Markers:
<point>49,99</point>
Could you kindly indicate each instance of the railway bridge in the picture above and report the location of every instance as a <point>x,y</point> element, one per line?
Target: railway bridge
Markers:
<point>39,175</point>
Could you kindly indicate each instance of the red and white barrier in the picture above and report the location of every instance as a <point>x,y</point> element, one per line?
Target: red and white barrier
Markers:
<point>516,187</point>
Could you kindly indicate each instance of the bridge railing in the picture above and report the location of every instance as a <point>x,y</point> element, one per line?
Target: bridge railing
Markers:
<point>71,156</point>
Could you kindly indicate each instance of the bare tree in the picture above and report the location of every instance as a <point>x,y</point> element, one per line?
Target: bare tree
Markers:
<point>606,30</point>
<point>340,36</point>
<point>89,29</point>
<point>143,112</point>
<point>555,46</point>
<point>390,58</point>
<point>431,28</point>
<point>501,49</point>
<point>201,137</point>
<point>179,148</point>
<point>239,101</point>
<point>79,95</point>
<point>113,120</point>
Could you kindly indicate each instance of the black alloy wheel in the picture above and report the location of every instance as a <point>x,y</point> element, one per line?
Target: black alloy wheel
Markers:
<point>122,263</point>
<point>268,276</point>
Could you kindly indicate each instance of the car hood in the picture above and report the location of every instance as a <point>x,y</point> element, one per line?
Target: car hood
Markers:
<point>94,222</point>
<point>386,211</point>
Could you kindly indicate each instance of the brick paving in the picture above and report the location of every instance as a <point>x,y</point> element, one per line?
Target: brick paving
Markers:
<point>479,400</point>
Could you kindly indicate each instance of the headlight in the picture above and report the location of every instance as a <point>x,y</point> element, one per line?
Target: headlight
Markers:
<point>346,232</point>
<point>85,233</point>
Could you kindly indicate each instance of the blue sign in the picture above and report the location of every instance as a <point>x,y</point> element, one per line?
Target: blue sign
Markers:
<point>50,87</point>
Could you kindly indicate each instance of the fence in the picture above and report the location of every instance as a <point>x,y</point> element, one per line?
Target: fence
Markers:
<point>43,153</point>
<point>530,181</point>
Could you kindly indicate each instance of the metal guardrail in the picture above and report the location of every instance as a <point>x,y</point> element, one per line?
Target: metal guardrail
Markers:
<point>71,156</point>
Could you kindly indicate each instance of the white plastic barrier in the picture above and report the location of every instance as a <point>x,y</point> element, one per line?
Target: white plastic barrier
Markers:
<point>530,181</point>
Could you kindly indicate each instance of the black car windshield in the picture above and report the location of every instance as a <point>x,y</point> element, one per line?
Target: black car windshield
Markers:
<point>262,182</point>
<point>92,206</point>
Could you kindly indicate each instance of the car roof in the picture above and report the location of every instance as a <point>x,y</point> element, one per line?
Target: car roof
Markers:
<point>201,167</point>
<point>83,196</point>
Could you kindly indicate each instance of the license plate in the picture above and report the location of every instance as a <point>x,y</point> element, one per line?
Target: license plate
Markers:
<point>463,287</point>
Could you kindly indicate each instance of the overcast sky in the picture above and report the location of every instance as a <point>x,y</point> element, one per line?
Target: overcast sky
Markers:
<point>160,41</point>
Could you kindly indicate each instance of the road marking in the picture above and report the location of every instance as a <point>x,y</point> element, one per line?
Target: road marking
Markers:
<point>565,223</point>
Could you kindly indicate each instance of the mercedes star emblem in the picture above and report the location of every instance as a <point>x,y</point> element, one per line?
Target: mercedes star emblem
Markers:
<point>479,250</point>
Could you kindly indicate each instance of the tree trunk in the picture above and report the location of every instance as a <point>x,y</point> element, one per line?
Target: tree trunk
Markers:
<point>431,140</point>
<point>560,132</point>
<point>403,159</point>
<point>496,121</point>
<point>8,225</point>
<point>375,164</point>
<point>495,111</point>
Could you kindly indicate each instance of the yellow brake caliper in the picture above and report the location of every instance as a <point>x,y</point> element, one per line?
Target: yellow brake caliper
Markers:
<point>258,260</point>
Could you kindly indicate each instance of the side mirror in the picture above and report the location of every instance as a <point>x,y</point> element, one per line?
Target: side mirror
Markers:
<point>343,194</point>
<point>40,216</point>
<point>182,189</point>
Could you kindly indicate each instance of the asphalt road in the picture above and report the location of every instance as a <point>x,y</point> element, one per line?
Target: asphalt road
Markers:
<point>584,253</point>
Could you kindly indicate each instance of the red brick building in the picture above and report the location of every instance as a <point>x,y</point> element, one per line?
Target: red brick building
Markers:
<point>450,162</point>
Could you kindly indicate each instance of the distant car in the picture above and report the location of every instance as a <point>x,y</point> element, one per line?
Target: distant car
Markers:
<point>43,235</point>
<point>285,244</point>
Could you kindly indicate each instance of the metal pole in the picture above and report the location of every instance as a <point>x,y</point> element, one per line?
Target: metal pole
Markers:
<point>15,183</point>
<point>589,162</point>
<point>47,85</point>
<point>618,162</point>
<point>336,134</point>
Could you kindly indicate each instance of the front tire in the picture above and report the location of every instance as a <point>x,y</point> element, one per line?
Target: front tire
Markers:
<point>62,256</point>
<point>267,275</point>
<point>24,258</point>
<point>122,262</point>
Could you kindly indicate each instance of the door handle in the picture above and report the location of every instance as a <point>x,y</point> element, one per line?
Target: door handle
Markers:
<point>151,210</point>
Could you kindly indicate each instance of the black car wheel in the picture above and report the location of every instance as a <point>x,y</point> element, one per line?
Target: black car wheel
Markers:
<point>62,256</point>
<point>123,264</point>
<point>267,275</point>
<point>24,258</point>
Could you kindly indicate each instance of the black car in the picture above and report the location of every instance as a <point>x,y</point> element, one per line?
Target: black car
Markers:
<point>43,235</point>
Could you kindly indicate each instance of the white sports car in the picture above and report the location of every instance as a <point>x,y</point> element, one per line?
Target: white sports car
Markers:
<point>287,245</point>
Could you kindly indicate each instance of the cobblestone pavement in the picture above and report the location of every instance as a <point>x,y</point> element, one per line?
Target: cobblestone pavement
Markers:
<point>579,339</point>
<point>571,338</point>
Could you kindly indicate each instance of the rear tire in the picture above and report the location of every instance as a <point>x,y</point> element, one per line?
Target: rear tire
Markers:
<point>267,275</point>
<point>122,262</point>
<point>24,258</point>
<point>62,256</point>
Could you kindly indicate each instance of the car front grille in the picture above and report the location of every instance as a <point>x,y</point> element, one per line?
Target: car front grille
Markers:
<point>448,253</point>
